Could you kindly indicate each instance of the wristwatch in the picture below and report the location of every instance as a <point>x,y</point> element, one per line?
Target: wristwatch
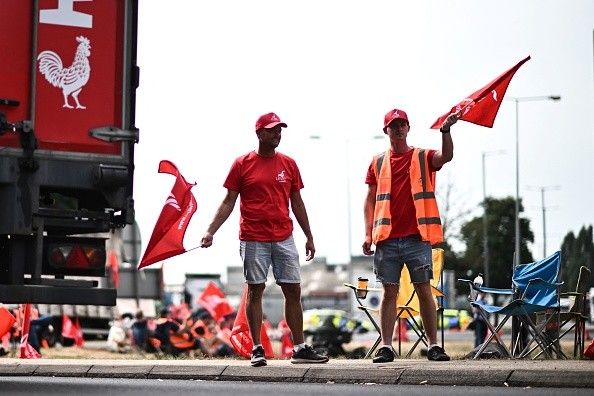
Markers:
<point>444,130</point>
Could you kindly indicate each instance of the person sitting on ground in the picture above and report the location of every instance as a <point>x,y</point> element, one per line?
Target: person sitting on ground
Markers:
<point>118,339</point>
<point>164,327</point>
<point>214,340</point>
<point>140,331</point>
<point>478,323</point>
<point>174,337</point>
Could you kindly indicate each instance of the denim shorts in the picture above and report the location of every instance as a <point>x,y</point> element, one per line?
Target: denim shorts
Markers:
<point>392,254</point>
<point>257,257</point>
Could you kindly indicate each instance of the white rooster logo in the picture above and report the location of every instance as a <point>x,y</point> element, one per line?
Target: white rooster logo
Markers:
<point>71,79</point>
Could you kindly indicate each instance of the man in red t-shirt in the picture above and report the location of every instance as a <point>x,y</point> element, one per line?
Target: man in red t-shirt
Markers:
<point>267,182</point>
<point>402,220</point>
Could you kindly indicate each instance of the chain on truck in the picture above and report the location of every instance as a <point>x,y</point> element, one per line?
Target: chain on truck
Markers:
<point>68,79</point>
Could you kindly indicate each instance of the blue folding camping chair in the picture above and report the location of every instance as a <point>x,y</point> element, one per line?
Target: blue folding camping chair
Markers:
<point>535,289</point>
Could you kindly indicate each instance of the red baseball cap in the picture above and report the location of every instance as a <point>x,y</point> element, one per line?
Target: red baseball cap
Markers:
<point>269,120</point>
<point>394,115</point>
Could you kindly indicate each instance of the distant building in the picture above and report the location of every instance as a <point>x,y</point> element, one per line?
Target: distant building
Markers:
<point>322,286</point>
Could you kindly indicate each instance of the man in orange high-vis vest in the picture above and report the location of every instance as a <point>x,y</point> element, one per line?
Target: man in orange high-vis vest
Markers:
<point>402,221</point>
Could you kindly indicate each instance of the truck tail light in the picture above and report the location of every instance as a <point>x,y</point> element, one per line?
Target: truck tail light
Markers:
<point>76,256</point>
<point>58,257</point>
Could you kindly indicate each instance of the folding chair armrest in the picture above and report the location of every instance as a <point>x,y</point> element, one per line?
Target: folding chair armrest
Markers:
<point>493,290</point>
<point>544,282</point>
<point>541,283</point>
<point>436,292</point>
<point>368,309</point>
<point>355,288</point>
<point>490,290</point>
<point>571,294</point>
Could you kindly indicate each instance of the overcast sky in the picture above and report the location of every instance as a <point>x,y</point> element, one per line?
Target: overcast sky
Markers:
<point>332,69</point>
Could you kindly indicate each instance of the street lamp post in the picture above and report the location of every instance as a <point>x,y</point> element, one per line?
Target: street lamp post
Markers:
<point>517,101</point>
<point>485,220</point>
<point>519,342</point>
<point>542,190</point>
<point>350,269</point>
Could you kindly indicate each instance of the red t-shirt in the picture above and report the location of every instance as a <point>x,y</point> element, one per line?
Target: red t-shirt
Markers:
<point>264,185</point>
<point>402,207</point>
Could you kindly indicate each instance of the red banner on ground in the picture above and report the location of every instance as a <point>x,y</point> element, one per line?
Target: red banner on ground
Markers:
<point>240,334</point>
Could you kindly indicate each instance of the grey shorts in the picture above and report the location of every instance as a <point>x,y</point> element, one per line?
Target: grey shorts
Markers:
<point>257,257</point>
<point>392,254</point>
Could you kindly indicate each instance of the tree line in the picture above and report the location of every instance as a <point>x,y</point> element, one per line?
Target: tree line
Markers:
<point>576,250</point>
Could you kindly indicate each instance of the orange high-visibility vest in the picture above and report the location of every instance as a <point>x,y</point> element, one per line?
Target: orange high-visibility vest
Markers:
<point>422,182</point>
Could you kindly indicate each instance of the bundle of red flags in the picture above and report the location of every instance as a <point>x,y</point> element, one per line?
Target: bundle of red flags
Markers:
<point>214,301</point>
<point>26,350</point>
<point>240,334</point>
<point>168,235</point>
<point>72,330</point>
<point>482,106</point>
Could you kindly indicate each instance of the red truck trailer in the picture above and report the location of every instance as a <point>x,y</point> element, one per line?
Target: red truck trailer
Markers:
<point>68,79</point>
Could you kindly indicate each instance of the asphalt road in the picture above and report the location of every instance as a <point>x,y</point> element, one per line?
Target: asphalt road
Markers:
<point>48,386</point>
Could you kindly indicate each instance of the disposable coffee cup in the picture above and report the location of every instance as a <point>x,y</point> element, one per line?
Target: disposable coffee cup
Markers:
<point>362,287</point>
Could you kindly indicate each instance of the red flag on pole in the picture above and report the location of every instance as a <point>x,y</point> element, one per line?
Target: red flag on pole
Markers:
<point>240,334</point>
<point>79,340</point>
<point>6,321</point>
<point>5,341</point>
<point>27,351</point>
<point>168,235</point>
<point>114,268</point>
<point>286,340</point>
<point>482,106</point>
<point>214,301</point>
<point>72,330</point>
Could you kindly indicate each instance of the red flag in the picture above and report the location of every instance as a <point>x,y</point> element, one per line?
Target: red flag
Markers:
<point>286,340</point>
<point>240,334</point>
<point>589,351</point>
<point>27,351</point>
<point>168,234</point>
<point>79,340</point>
<point>214,301</point>
<point>5,341</point>
<point>6,321</point>
<point>114,268</point>
<point>72,330</point>
<point>482,106</point>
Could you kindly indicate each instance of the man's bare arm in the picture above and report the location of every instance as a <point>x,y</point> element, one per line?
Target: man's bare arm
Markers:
<point>221,216</point>
<point>298,208</point>
<point>446,153</point>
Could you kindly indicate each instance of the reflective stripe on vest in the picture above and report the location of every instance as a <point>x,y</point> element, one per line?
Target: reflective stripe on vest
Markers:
<point>381,214</point>
<point>423,191</point>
